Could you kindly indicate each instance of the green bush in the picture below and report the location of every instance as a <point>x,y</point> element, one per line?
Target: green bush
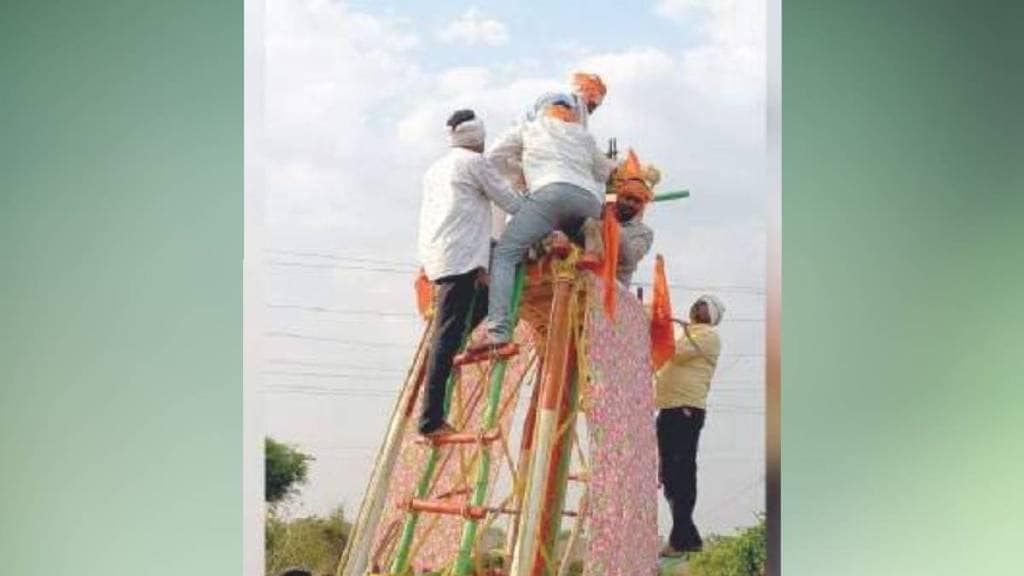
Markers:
<point>314,543</point>
<point>742,555</point>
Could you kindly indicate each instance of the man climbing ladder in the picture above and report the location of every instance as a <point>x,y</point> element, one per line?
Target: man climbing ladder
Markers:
<point>473,509</point>
<point>454,248</point>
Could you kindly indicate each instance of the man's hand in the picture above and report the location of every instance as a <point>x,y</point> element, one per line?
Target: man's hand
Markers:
<point>483,279</point>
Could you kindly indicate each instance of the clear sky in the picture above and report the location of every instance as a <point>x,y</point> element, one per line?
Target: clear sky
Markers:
<point>356,96</point>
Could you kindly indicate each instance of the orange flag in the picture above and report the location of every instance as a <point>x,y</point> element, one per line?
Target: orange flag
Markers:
<point>611,258</point>
<point>663,343</point>
<point>424,293</point>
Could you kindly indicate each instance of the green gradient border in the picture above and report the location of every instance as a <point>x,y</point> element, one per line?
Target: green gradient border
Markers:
<point>120,289</point>
<point>121,244</point>
<point>903,297</point>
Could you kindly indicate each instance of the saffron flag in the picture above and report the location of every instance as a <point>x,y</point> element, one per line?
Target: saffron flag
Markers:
<point>662,337</point>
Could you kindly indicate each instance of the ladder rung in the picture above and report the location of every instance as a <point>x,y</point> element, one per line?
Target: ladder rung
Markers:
<point>590,262</point>
<point>515,512</point>
<point>435,507</point>
<point>503,351</point>
<point>460,438</point>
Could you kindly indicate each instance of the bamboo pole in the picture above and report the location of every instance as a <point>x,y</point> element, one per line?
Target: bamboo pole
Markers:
<point>401,562</point>
<point>357,552</point>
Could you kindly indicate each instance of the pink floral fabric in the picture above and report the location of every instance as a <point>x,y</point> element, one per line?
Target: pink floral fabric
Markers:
<point>439,548</point>
<point>623,511</point>
<point>621,528</point>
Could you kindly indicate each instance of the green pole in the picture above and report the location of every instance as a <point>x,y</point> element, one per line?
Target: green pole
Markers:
<point>673,195</point>
<point>464,562</point>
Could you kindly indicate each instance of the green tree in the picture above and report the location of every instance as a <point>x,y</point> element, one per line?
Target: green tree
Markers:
<point>285,470</point>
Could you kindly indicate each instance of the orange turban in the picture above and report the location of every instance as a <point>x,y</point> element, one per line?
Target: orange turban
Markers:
<point>631,179</point>
<point>562,113</point>
<point>590,87</point>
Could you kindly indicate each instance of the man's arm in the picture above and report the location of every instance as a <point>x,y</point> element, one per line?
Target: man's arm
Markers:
<point>633,247</point>
<point>707,347</point>
<point>506,155</point>
<point>495,187</point>
<point>603,166</point>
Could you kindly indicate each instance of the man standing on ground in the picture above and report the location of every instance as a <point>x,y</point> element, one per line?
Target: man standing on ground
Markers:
<point>454,249</point>
<point>681,390</point>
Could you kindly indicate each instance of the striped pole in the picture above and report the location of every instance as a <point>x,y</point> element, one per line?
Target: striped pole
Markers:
<point>558,473</point>
<point>556,369</point>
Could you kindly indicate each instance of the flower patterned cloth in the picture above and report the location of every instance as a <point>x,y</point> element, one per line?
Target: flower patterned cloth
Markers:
<point>623,495</point>
<point>441,545</point>
<point>621,526</point>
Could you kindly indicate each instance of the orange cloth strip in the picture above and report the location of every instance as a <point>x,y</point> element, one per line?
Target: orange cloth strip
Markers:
<point>424,294</point>
<point>662,336</point>
<point>611,258</point>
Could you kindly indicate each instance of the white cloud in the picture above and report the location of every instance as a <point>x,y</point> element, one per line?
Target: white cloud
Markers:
<point>730,60</point>
<point>462,80</point>
<point>472,28</point>
<point>330,73</point>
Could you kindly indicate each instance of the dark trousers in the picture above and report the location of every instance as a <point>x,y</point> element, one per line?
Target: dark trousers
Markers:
<point>678,434</point>
<point>454,296</point>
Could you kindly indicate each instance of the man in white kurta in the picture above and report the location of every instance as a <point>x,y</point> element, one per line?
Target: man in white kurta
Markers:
<point>454,249</point>
<point>565,173</point>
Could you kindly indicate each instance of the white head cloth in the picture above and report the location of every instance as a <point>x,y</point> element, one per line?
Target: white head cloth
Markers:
<point>469,134</point>
<point>715,308</point>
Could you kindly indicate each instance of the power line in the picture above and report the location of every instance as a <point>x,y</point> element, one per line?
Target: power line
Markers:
<point>735,288</point>
<point>384,394</point>
<point>298,336</point>
<point>356,343</point>
<point>342,267</point>
<point>733,498</point>
<point>350,312</point>
<point>413,315</point>
<point>341,257</point>
<point>330,391</point>
<point>404,268</point>
<point>339,376</point>
<point>334,365</point>
<point>735,408</point>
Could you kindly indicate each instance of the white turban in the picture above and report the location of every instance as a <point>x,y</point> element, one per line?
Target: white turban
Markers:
<point>715,308</point>
<point>468,134</point>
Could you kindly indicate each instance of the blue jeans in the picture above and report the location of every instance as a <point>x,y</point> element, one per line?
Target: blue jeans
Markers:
<point>553,207</point>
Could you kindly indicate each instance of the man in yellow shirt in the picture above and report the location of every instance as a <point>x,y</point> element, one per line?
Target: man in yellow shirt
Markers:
<point>680,393</point>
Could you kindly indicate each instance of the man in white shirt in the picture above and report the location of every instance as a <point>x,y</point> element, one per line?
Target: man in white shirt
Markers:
<point>454,249</point>
<point>565,173</point>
